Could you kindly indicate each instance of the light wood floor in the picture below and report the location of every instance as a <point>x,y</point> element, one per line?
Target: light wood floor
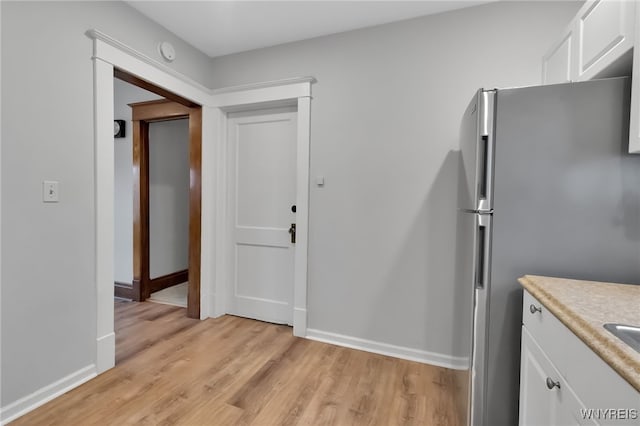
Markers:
<point>235,371</point>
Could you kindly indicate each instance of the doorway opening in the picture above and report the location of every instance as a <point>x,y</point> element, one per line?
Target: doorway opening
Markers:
<point>165,239</point>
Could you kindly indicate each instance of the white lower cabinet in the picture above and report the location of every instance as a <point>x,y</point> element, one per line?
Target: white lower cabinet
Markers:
<point>563,382</point>
<point>545,397</point>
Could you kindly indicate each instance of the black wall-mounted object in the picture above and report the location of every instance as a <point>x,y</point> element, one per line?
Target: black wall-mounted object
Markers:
<point>118,128</point>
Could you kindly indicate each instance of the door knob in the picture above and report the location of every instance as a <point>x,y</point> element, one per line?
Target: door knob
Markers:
<point>552,384</point>
<point>292,232</point>
<point>293,208</point>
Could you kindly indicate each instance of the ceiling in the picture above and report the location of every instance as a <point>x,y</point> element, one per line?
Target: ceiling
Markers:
<point>222,27</point>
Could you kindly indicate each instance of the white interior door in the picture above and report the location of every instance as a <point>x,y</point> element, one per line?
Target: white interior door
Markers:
<point>262,183</point>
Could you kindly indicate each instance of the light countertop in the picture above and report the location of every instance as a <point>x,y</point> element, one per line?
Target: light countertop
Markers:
<point>584,306</point>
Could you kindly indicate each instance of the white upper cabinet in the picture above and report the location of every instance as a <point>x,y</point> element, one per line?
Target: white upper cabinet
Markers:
<point>605,33</point>
<point>599,43</point>
<point>594,43</point>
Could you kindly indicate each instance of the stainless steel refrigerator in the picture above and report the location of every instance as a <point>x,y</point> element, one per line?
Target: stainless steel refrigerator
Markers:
<point>547,188</point>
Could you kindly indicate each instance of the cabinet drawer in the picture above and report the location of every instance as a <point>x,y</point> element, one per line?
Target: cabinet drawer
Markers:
<point>547,330</point>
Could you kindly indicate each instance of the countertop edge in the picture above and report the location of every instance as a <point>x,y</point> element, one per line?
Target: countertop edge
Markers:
<point>584,331</point>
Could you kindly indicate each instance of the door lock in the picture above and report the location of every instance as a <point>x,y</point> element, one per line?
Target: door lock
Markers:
<point>292,232</point>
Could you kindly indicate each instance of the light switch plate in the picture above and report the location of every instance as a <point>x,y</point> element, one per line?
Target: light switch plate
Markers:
<point>50,192</point>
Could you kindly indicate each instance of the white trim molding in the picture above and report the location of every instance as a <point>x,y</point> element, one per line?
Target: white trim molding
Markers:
<point>291,89</point>
<point>304,82</point>
<point>106,347</point>
<point>127,61</point>
<point>299,319</point>
<point>208,209</point>
<point>425,357</point>
<point>104,212</point>
<point>109,49</point>
<point>46,394</point>
<point>302,216</point>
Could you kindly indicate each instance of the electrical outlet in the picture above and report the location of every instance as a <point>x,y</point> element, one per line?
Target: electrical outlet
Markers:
<point>50,192</point>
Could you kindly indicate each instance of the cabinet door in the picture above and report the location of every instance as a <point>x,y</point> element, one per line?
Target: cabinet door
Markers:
<point>541,405</point>
<point>606,32</point>
<point>538,403</point>
<point>556,64</point>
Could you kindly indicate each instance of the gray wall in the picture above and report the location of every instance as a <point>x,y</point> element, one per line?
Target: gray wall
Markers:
<point>48,270</point>
<point>168,197</point>
<point>385,117</point>
<point>123,95</point>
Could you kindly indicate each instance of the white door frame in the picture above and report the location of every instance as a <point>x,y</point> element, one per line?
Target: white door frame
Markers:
<point>109,53</point>
<point>285,92</point>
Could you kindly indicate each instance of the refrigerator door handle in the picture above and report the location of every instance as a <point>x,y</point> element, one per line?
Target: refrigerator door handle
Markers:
<point>485,152</point>
<point>483,251</point>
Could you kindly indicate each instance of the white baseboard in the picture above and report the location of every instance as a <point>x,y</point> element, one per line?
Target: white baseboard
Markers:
<point>106,352</point>
<point>299,322</point>
<point>46,394</point>
<point>425,357</point>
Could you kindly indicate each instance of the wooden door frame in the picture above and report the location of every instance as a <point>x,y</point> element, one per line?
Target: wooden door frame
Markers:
<point>143,114</point>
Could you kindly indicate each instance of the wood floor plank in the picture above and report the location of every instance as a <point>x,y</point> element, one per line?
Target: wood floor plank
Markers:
<point>172,370</point>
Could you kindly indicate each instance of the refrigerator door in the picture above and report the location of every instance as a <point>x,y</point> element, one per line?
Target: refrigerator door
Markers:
<point>477,146</point>
<point>473,275</point>
<point>480,318</point>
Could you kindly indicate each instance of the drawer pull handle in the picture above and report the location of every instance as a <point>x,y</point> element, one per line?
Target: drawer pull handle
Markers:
<point>551,384</point>
<point>533,309</point>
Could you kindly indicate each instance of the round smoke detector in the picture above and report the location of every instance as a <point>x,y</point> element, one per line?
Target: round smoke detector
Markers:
<point>167,51</point>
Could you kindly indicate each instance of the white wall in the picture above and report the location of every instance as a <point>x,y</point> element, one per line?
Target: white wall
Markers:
<point>123,95</point>
<point>168,197</point>
<point>48,271</point>
<point>384,134</point>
